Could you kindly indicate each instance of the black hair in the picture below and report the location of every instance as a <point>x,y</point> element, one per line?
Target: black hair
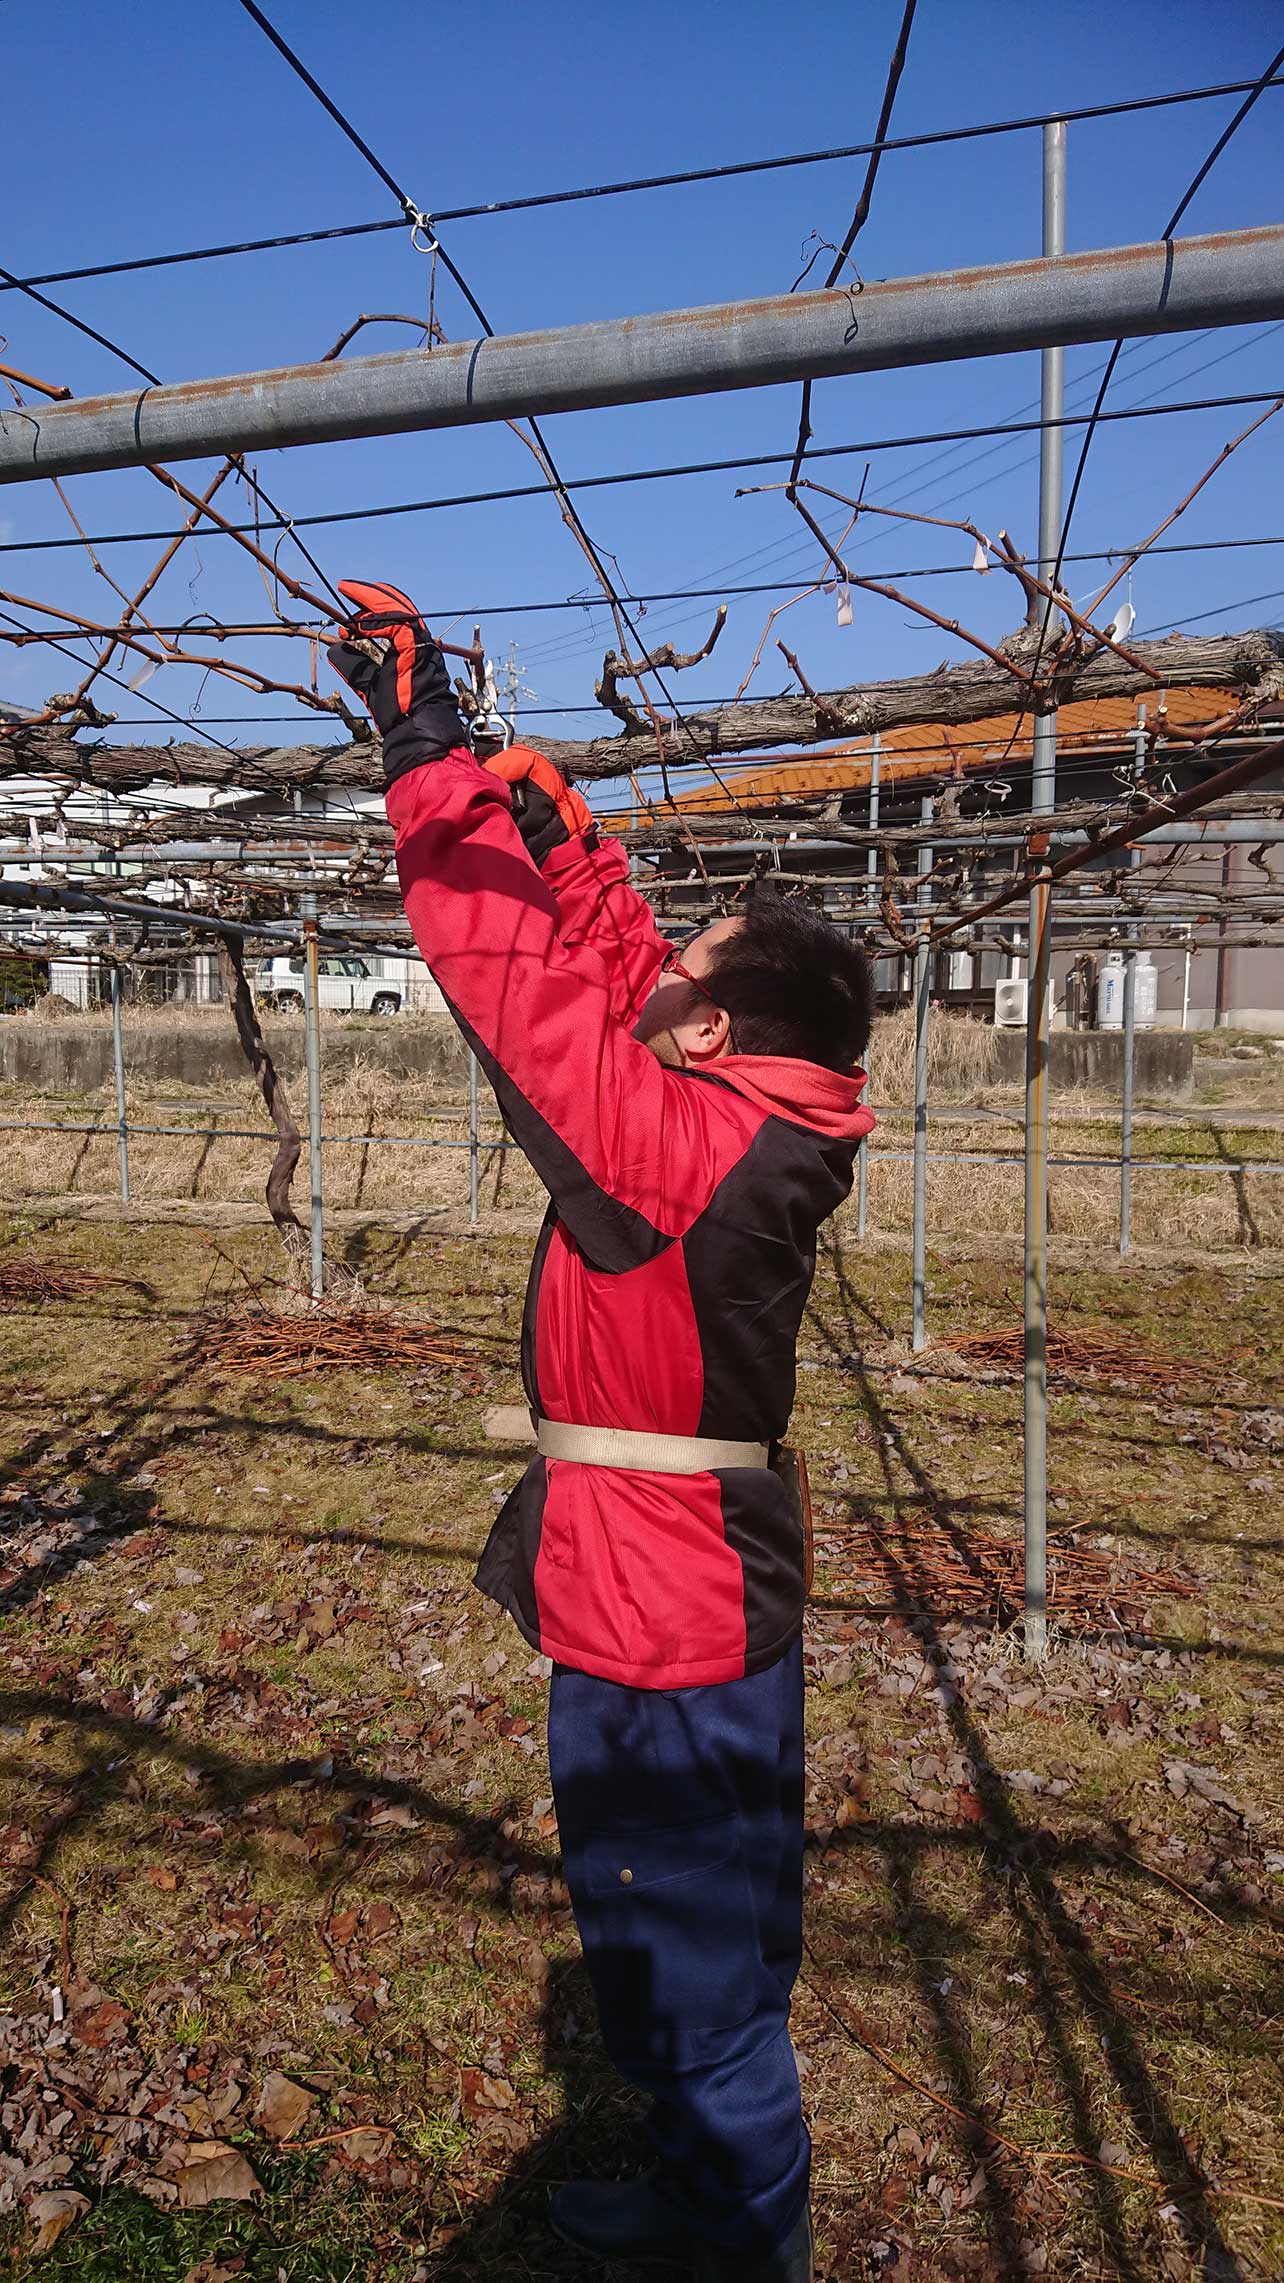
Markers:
<point>793,984</point>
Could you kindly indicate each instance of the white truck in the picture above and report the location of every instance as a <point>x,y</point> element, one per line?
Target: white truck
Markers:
<point>345,986</point>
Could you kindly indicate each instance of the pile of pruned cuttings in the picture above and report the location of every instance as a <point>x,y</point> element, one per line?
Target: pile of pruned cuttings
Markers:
<point>254,1342</point>
<point>922,1564</point>
<point>27,1283</point>
<point>1097,1354</point>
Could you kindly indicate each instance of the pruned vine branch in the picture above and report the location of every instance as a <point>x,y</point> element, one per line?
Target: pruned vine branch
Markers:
<point>1249,664</point>
<point>616,669</point>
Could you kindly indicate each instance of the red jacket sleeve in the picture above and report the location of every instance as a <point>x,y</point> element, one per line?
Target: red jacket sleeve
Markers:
<point>630,1151</point>
<point>598,908</point>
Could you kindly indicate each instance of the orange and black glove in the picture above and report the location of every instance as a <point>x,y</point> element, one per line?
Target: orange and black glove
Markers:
<point>546,810</point>
<point>386,654</point>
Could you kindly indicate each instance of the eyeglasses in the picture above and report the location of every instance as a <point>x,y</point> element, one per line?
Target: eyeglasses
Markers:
<point>672,965</point>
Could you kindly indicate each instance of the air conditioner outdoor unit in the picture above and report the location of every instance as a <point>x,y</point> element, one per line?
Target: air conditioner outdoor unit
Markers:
<point>1011,1003</point>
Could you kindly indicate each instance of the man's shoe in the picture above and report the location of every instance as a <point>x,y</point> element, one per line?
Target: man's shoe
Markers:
<point>791,2262</point>
<point>621,2219</point>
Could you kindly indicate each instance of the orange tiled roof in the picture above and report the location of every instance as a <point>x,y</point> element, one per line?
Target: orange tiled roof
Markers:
<point>910,753</point>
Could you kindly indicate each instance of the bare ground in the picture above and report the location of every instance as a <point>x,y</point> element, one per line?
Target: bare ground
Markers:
<point>273,1802</point>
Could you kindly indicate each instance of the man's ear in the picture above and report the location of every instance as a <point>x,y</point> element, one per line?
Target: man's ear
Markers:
<point>709,1035</point>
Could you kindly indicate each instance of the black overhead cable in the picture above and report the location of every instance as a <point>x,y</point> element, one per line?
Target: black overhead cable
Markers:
<point>181,720</point>
<point>345,125</point>
<point>424,223</point>
<point>575,604</point>
<point>21,285</point>
<point>861,215</point>
<point>296,523</point>
<point>1242,602</point>
<point>878,146</point>
<point>774,556</point>
<point>617,189</point>
<point>281,523</point>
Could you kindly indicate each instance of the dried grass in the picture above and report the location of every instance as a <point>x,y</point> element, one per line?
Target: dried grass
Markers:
<point>366,1101</point>
<point>1179,1209</point>
<point>962,1058</point>
<point>1214,1211</point>
<point>1218,1211</point>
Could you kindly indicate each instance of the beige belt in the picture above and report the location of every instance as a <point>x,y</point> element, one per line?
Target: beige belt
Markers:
<point>649,1454</point>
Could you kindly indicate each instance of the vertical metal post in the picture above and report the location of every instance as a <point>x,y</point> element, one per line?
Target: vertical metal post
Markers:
<point>118,1056</point>
<point>1130,1024</point>
<point>1185,989</point>
<point>474,1168</point>
<point>1036,1270</point>
<point>1043,791</point>
<point>312,1052</point>
<point>1125,1130</point>
<point>922,1013</point>
<point>871,872</point>
<point>1052,393</point>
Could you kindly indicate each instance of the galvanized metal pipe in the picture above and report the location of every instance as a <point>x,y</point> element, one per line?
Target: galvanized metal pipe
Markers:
<point>1036,1276</point>
<point>922,1016</point>
<point>1125,1129</point>
<point>1233,278</point>
<point>312,1055</point>
<point>118,1059</point>
<point>1052,397</point>
<point>34,895</point>
<point>1130,1023</point>
<point>1226,1165</point>
<point>871,872</point>
<point>474,1168</point>
<point>1248,830</point>
<point>1043,800</point>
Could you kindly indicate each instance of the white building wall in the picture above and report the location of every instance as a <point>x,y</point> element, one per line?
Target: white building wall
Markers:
<point>70,979</point>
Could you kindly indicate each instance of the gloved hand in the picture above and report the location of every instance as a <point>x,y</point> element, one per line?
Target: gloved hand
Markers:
<point>546,810</point>
<point>404,684</point>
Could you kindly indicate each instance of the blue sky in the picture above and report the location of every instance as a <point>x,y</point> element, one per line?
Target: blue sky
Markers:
<point>139,127</point>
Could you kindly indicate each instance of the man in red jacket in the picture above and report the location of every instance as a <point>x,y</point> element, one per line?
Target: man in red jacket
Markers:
<point>694,1122</point>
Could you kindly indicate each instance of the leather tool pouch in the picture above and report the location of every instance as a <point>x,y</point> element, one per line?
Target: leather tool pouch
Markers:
<point>789,1465</point>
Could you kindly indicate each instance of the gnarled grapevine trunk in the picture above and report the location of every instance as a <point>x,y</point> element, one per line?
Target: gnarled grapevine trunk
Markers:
<point>266,1077</point>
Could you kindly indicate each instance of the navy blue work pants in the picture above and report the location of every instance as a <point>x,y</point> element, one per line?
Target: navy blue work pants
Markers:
<point>681,1821</point>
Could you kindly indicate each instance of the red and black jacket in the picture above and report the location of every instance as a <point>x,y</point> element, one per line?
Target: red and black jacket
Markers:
<point>674,1263</point>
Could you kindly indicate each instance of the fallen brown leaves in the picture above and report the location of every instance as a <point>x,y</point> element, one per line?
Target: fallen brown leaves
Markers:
<point>201,2172</point>
<point>82,2093</point>
<point>52,2214</point>
<point>283,2107</point>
